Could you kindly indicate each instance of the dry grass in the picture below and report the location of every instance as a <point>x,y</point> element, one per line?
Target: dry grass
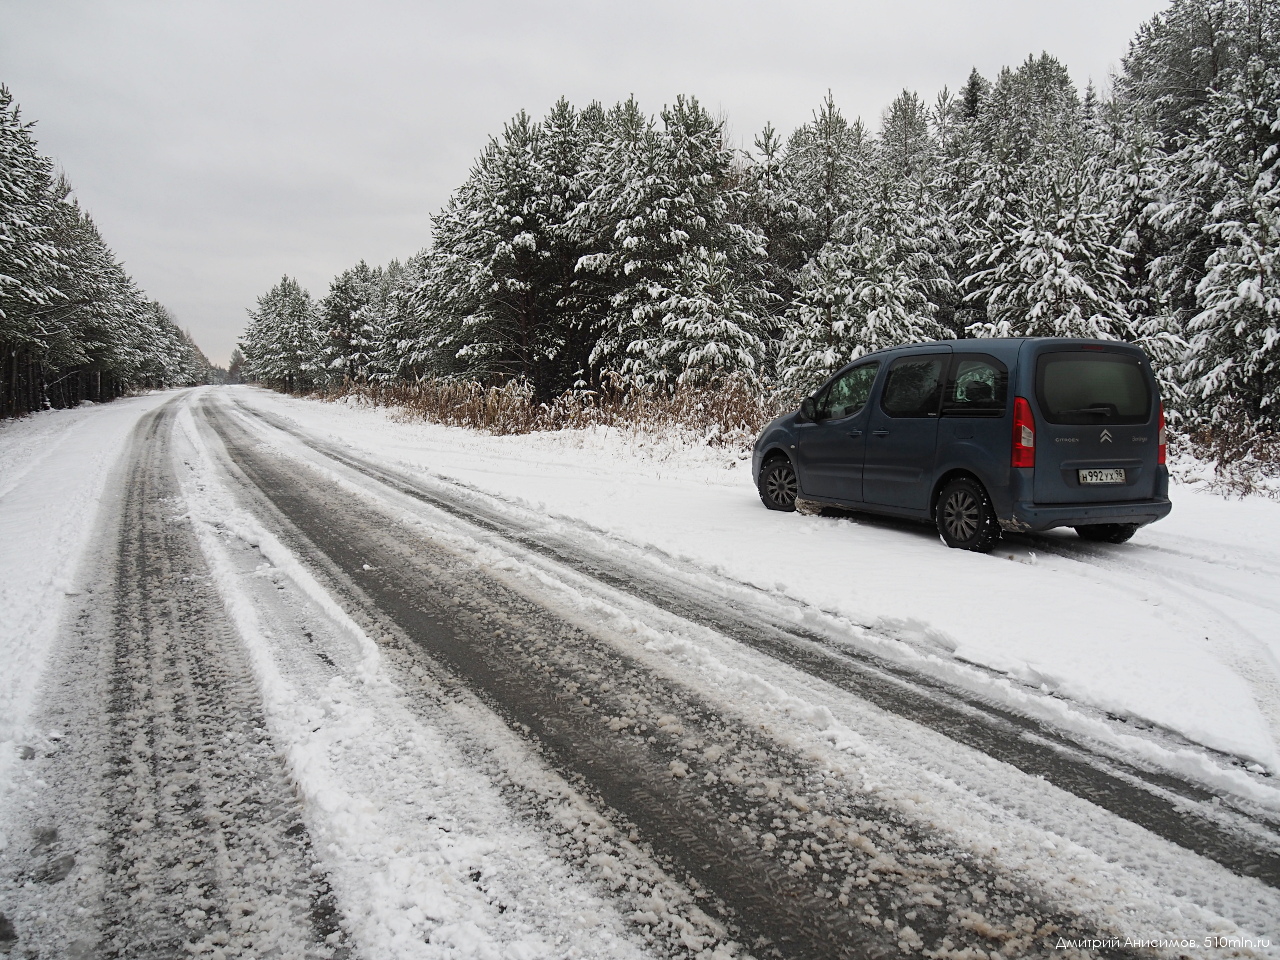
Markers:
<point>730,413</point>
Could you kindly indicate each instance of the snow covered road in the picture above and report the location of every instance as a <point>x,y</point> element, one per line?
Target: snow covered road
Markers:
<point>794,635</point>
<point>171,816</point>
<point>513,731</point>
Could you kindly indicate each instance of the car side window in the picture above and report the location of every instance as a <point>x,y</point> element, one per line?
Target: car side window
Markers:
<point>914,386</point>
<point>848,393</point>
<point>978,387</point>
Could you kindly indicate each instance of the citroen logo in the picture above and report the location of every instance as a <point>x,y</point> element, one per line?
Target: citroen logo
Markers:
<point>1106,436</point>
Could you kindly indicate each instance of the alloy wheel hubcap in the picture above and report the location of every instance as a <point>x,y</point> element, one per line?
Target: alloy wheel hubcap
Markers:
<point>961,515</point>
<point>781,486</point>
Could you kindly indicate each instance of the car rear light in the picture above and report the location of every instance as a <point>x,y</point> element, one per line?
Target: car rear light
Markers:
<point>1024,434</point>
<point>1162,450</point>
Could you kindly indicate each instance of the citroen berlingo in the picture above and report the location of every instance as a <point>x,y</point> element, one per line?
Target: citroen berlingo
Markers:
<point>980,437</point>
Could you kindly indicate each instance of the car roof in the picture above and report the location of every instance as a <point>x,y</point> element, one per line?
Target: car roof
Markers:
<point>1005,346</point>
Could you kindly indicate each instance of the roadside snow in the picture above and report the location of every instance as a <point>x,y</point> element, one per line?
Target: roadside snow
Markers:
<point>1177,630</point>
<point>53,471</point>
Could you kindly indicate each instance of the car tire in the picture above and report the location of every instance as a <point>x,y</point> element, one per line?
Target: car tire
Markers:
<point>965,518</point>
<point>778,485</point>
<point>1107,532</point>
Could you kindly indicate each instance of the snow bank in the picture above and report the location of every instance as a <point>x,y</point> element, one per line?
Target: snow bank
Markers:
<point>53,471</point>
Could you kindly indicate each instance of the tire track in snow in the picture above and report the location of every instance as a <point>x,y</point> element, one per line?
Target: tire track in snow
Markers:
<point>230,869</point>
<point>410,806</point>
<point>1248,654</point>
<point>1169,806</point>
<point>800,864</point>
<point>191,841</point>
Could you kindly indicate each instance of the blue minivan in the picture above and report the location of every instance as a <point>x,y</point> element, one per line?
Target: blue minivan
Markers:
<point>980,437</point>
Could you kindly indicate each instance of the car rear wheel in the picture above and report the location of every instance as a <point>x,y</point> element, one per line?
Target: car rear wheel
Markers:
<point>965,518</point>
<point>1107,532</point>
<point>778,485</point>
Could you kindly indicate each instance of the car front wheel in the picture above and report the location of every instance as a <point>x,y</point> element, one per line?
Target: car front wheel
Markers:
<point>778,485</point>
<point>965,518</point>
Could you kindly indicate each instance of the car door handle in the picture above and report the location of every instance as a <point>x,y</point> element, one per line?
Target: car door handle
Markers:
<point>879,433</point>
<point>855,433</point>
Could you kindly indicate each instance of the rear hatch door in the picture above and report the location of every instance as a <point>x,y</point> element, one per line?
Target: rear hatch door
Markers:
<point>1097,425</point>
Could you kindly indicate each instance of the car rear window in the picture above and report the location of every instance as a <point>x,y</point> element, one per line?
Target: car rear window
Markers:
<point>1078,387</point>
<point>978,387</point>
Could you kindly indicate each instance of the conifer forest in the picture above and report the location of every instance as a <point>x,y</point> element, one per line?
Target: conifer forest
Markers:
<point>603,245</point>
<point>73,324</point>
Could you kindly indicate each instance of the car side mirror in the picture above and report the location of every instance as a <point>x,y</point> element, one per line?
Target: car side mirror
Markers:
<point>808,409</point>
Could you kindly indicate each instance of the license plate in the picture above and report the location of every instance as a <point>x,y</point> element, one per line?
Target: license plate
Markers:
<point>1102,476</point>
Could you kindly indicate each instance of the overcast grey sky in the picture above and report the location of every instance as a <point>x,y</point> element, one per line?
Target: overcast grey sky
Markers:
<point>220,145</point>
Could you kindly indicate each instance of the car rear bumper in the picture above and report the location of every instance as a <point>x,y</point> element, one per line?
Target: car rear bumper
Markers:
<point>1028,517</point>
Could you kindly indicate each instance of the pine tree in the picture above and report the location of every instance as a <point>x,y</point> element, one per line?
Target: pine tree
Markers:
<point>344,352</point>
<point>828,161</point>
<point>505,257</point>
<point>26,208</point>
<point>414,335</point>
<point>73,325</point>
<point>1134,184</point>
<point>235,367</point>
<point>1045,256</point>
<point>1179,68</point>
<point>676,208</point>
<point>973,94</point>
<point>774,212</point>
<point>905,149</point>
<point>878,289</point>
<point>1054,269</point>
<point>574,298</point>
<point>880,284</point>
<point>1188,52</point>
<point>283,344</point>
<point>1233,366</point>
<point>617,171</point>
<point>380,323</point>
<point>961,167</point>
<point>710,323</point>
<point>30,263</point>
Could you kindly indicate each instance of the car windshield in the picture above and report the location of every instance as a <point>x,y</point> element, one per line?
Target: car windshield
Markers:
<point>1093,388</point>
